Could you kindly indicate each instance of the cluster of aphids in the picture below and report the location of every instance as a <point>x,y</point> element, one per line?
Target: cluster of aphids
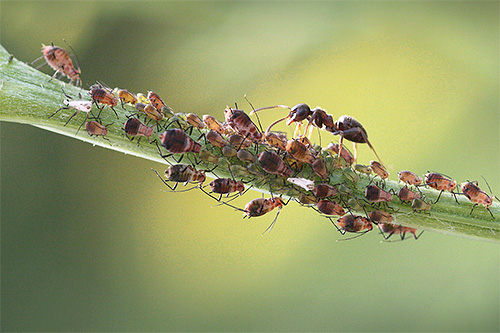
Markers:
<point>292,167</point>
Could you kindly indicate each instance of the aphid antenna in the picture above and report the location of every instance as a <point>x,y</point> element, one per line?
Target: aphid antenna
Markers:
<point>256,115</point>
<point>342,232</point>
<point>358,235</point>
<point>272,223</point>
<point>489,188</point>
<point>164,181</point>
<point>74,53</point>
<point>221,202</point>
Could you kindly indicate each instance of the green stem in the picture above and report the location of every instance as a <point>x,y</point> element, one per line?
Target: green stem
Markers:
<point>30,97</point>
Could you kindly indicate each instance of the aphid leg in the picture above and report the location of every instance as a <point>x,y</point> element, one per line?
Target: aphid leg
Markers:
<point>63,108</point>
<point>439,196</point>
<point>336,226</point>
<point>359,235</point>
<point>86,117</point>
<point>420,234</point>
<point>114,111</point>
<point>383,234</point>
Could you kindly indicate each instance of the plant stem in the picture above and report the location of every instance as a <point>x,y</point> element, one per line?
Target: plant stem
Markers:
<point>31,97</point>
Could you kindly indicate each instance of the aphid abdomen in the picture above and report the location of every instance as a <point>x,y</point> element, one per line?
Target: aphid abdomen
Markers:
<point>330,208</point>
<point>272,163</point>
<point>176,141</point>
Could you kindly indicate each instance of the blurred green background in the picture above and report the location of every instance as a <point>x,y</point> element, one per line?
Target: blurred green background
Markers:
<point>90,242</point>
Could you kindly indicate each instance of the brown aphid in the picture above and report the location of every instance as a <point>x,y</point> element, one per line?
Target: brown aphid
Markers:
<point>352,223</point>
<point>103,95</point>
<point>216,139</point>
<point>261,206</point>
<point>272,163</point>
<point>328,207</point>
<point>59,59</point>
<point>379,169</point>
<point>184,173</point>
<point>153,113</point>
<point>395,229</point>
<point>246,156</point>
<point>94,128</point>
<point>409,178</point>
<point>441,183</point>
<point>477,196</point>
<point>238,141</point>
<point>299,152</point>
<point>134,127</point>
<point>406,195</point>
<point>345,154</point>
<point>155,100</point>
<point>420,205</point>
<point>226,186</point>
<point>195,121</point>
<point>213,124</point>
<point>177,142</point>
<point>275,140</point>
<point>307,199</point>
<point>319,168</point>
<point>240,122</point>
<point>324,191</point>
<point>126,96</point>
<point>229,151</point>
<point>208,157</point>
<point>380,216</point>
<point>374,193</point>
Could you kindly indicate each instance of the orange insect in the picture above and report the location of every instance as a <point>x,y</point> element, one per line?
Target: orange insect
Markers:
<point>324,191</point>
<point>103,95</point>
<point>299,152</point>
<point>352,223</point>
<point>213,124</point>
<point>94,128</point>
<point>477,196</point>
<point>392,229</point>
<point>409,178</point>
<point>134,127</point>
<point>155,100</point>
<point>441,183</point>
<point>216,139</point>
<point>380,216</point>
<point>272,163</point>
<point>239,121</point>
<point>195,121</point>
<point>60,61</point>
<point>328,207</point>
<point>178,142</point>
<point>126,96</point>
<point>261,206</point>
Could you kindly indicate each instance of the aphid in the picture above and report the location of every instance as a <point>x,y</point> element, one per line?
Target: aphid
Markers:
<point>477,196</point>
<point>103,95</point>
<point>216,139</point>
<point>441,183</point>
<point>272,163</point>
<point>405,194</point>
<point>409,178</point>
<point>392,229</point>
<point>352,223</point>
<point>363,169</point>
<point>153,113</point>
<point>195,121</point>
<point>182,173</point>
<point>94,128</point>
<point>208,157</point>
<point>226,186</point>
<point>380,216</point>
<point>344,153</point>
<point>420,205</point>
<point>324,191</point>
<point>140,106</point>
<point>177,142</point>
<point>229,151</point>
<point>350,175</point>
<point>134,127</point>
<point>328,207</point>
<point>261,206</point>
<point>305,183</point>
<point>246,156</point>
<point>275,140</point>
<point>319,168</point>
<point>299,152</point>
<point>307,199</point>
<point>239,121</point>
<point>83,106</point>
<point>60,61</point>
<point>155,100</point>
<point>379,169</point>
<point>238,141</point>
<point>213,123</point>
<point>126,96</point>
<point>374,193</point>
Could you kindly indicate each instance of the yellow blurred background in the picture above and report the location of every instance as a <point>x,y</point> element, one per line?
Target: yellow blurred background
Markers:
<point>91,242</point>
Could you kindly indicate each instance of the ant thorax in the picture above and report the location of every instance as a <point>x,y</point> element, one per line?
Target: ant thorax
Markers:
<point>84,106</point>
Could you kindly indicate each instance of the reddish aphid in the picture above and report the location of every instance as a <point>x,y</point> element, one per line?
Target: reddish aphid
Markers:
<point>226,186</point>
<point>406,195</point>
<point>182,173</point>
<point>379,169</point>
<point>275,140</point>
<point>103,95</point>
<point>441,183</point>
<point>195,121</point>
<point>344,153</point>
<point>216,139</point>
<point>238,141</point>
<point>374,193</point>
<point>239,121</point>
<point>396,229</point>
<point>59,59</point>
<point>324,191</point>
<point>477,196</point>
<point>213,124</point>
<point>94,128</point>
<point>409,178</point>
<point>272,163</point>
<point>352,223</point>
<point>328,207</point>
<point>155,100</point>
<point>134,127</point>
<point>380,216</point>
<point>261,206</point>
<point>319,168</point>
<point>178,142</point>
